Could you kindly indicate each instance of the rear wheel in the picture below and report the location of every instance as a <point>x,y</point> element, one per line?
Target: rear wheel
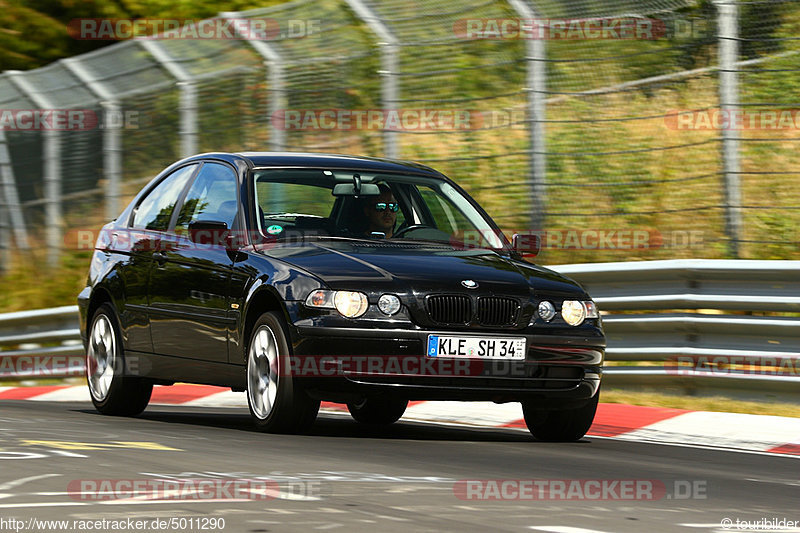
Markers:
<point>566,425</point>
<point>277,402</point>
<point>378,410</point>
<point>111,391</point>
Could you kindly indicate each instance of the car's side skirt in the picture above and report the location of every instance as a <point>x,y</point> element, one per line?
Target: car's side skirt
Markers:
<point>169,368</point>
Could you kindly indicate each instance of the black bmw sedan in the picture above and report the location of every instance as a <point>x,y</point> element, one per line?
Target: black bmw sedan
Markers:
<point>307,277</point>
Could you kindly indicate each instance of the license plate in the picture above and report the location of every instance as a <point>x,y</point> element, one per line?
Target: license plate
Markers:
<point>507,348</point>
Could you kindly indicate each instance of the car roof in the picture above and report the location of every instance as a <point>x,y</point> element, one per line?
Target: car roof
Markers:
<point>304,159</point>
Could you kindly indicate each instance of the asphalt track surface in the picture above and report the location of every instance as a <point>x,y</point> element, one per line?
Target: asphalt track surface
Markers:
<point>347,477</point>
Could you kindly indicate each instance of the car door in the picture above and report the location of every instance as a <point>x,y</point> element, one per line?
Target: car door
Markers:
<point>149,220</point>
<point>190,283</point>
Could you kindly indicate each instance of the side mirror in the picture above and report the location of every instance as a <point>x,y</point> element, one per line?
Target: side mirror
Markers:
<point>526,244</point>
<point>210,232</point>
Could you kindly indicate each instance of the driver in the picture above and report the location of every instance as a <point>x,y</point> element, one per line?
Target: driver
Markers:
<point>381,212</point>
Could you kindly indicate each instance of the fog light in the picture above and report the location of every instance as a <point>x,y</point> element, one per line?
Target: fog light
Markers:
<point>389,304</point>
<point>351,304</point>
<point>546,310</point>
<point>573,312</point>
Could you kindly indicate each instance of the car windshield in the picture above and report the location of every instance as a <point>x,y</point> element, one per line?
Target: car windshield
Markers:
<point>303,203</point>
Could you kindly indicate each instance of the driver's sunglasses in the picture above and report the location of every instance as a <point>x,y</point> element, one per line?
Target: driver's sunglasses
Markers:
<point>380,207</point>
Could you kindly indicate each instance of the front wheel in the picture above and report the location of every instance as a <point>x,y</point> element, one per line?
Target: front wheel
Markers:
<point>111,391</point>
<point>566,425</point>
<point>277,402</point>
<point>377,410</point>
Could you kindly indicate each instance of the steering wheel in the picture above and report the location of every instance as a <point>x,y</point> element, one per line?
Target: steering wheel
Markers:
<point>412,227</point>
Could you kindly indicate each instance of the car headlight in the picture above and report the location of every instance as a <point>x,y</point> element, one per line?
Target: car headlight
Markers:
<point>573,312</point>
<point>351,304</point>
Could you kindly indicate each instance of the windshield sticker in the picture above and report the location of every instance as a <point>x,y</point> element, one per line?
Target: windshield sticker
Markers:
<point>274,229</point>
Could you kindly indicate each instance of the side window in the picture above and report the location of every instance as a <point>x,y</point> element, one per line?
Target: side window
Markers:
<point>155,211</point>
<point>212,196</point>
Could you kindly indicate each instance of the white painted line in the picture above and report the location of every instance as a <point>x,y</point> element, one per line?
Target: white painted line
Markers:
<point>54,504</point>
<point>175,501</point>
<point>697,446</point>
<point>752,432</point>
<point>565,529</point>
<point>70,394</point>
<point>22,481</point>
<point>476,413</point>
<point>220,399</point>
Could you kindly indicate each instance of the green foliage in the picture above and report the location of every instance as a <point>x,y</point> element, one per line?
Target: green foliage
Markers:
<point>34,32</point>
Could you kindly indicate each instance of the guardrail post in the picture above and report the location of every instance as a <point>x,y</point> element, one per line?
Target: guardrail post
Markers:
<point>10,207</point>
<point>112,136</point>
<point>52,172</point>
<point>728,24</point>
<point>536,55</point>
<point>389,45</point>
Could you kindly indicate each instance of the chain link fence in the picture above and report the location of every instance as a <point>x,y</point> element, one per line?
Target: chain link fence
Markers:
<point>621,130</point>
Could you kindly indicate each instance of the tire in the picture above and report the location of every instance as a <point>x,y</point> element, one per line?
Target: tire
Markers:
<point>277,402</point>
<point>378,410</point>
<point>568,425</point>
<point>111,391</point>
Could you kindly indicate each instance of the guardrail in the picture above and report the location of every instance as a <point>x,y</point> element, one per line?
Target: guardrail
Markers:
<point>709,349</point>
<point>702,351</point>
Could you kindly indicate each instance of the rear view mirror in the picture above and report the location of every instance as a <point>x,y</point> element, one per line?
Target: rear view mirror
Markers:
<point>350,189</point>
<point>526,244</point>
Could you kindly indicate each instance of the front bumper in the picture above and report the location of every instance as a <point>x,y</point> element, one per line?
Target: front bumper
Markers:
<point>558,371</point>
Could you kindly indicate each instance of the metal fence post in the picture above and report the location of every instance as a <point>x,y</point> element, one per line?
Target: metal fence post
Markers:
<point>536,52</point>
<point>112,137</point>
<point>52,172</point>
<point>11,207</point>
<point>389,45</point>
<point>728,24</point>
<point>276,81</point>
<point>5,227</point>
<point>186,85</point>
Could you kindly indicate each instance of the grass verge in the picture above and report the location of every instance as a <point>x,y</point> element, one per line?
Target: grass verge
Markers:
<point>721,404</point>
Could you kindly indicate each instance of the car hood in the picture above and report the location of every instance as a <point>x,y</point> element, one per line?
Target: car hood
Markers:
<point>419,268</point>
